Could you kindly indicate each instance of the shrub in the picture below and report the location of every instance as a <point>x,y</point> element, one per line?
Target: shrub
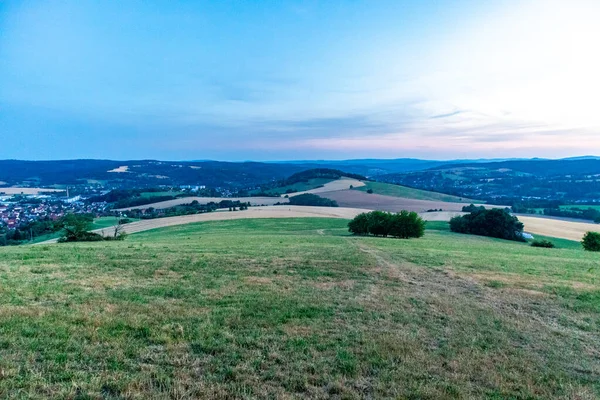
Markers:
<point>401,225</point>
<point>591,241</point>
<point>496,223</point>
<point>370,191</point>
<point>543,243</point>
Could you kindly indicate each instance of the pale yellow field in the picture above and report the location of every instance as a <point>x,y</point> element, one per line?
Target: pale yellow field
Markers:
<point>535,225</point>
<point>255,201</point>
<point>21,190</point>
<point>557,228</point>
<point>333,186</point>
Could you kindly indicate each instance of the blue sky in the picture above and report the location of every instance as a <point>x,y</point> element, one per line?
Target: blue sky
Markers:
<point>271,80</point>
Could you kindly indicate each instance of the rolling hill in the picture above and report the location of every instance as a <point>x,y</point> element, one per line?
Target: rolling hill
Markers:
<point>298,308</point>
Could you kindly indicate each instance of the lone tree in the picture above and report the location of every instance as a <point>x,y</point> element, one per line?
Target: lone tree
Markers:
<point>76,228</point>
<point>495,223</point>
<point>591,241</point>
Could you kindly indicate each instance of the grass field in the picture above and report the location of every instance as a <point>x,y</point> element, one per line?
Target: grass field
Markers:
<point>297,308</point>
<point>389,189</point>
<point>299,186</point>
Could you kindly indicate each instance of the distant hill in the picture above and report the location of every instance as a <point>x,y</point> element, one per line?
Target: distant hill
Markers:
<point>142,173</point>
<point>506,182</point>
<point>486,180</point>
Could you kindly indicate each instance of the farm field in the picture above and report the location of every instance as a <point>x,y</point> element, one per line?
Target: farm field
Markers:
<point>558,228</point>
<point>388,189</point>
<point>572,230</point>
<point>332,186</point>
<point>297,308</point>
<point>360,199</point>
<point>26,190</point>
<point>255,201</point>
<point>299,186</point>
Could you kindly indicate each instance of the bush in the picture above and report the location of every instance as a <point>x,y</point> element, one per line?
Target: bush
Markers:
<point>401,225</point>
<point>591,241</point>
<point>543,243</point>
<point>495,223</point>
<point>370,191</point>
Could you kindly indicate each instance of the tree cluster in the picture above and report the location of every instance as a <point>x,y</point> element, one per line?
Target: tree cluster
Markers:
<point>495,223</point>
<point>402,225</point>
<point>309,199</point>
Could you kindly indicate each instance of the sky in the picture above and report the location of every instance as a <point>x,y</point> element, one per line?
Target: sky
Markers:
<point>283,80</point>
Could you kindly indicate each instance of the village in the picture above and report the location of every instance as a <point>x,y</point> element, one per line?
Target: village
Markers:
<point>20,210</point>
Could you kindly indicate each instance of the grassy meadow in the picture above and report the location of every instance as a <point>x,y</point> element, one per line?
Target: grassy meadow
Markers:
<point>298,186</point>
<point>297,308</point>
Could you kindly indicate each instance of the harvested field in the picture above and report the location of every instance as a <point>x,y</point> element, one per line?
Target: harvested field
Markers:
<point>358,199</point>
<point>536,225</point>
<point>333,186</point>
<point>255,201</point>
<point>558,228</point>
<point>24,190</point>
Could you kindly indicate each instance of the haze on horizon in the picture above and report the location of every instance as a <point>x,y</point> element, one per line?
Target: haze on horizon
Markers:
<point>299,79</point>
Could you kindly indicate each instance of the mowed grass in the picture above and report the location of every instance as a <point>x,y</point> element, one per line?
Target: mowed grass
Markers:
<point>389,189</point>
<point>296,308</point>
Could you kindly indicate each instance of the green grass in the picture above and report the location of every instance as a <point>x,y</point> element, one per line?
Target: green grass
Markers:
<point>299,186</point>
<point>389,189</point>
<point>297,308</point>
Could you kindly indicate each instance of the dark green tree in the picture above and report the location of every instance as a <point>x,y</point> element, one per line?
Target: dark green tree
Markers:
<point>406,225</point>
<point>379,223</point>
<point>591,241</point>
<point>359,224</point>
<point>496,223</point>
